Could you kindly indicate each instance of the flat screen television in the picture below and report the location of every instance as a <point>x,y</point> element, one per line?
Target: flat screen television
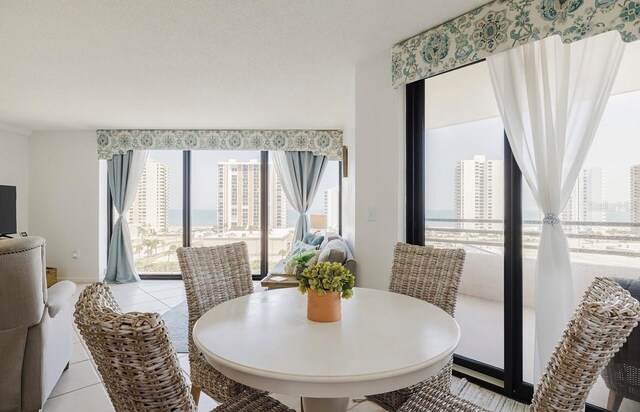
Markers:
<point>7,210</point>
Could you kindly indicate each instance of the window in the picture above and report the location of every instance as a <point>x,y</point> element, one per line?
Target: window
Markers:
<point>155,218</point>
<point>224,184</point>
<point>456,195</point>
<point>224,204</point>
<point>601,219</point>
<point>324,213</point>
<point>464,205</point>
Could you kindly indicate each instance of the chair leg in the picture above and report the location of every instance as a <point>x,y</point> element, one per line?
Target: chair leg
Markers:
<point>614,402</point>
<point>195,393</point>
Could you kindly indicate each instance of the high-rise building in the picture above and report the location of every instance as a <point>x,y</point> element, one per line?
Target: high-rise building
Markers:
<point>634,195</point>
<point>239,197</point>
<point>480,191</point>
<point>332,207</point>
<point>588,199</point>
<point>277,202</point>
<point>150,208</point>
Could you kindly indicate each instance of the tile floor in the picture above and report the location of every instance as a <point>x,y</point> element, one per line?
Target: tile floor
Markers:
<point>80,388</point>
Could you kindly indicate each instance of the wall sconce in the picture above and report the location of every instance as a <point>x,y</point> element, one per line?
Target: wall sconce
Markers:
<point>345,161</point>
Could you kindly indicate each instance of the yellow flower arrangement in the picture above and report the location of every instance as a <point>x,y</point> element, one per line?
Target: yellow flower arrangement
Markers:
<point>326,277</point>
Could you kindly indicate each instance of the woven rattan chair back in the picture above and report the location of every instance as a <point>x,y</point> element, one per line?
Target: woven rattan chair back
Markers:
<point>133,353</point>
<point>432,275</point>
<point>428,273</point>
<point>597,330</point>
<point>213,275</point>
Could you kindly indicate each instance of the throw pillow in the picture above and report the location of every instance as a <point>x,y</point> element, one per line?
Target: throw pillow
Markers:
<point>290,266</point>
<point>334,251</point>
<point>298,247</point>
<point>328,237</point>
<point>311,239</point>
<point>314,259</point>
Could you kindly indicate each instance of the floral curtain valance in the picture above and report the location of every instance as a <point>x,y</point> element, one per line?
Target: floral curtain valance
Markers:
<point>320,142</point>
<point>504,24</point>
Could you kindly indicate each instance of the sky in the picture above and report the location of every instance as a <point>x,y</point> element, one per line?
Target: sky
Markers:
<point>615,148</point>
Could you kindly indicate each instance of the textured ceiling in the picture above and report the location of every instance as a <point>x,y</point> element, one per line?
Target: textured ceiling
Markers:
<point>195,64</point>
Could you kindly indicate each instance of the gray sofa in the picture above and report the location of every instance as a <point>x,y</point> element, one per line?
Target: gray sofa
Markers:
<point>622,374</point>
<point>334,249</point>
<point>36,335</point>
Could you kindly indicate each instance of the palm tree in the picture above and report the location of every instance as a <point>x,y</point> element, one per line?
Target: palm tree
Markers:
<point>172,250</point>
<point>159,243</point>
<point>148,246</point>
<point>143,231</point>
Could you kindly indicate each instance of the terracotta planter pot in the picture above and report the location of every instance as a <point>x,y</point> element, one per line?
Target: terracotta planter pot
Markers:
<point>324,308</point>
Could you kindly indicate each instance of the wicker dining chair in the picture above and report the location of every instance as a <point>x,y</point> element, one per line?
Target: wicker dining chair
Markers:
<point>212,275</point>
<point>597,330</point>
<point>622,374</point>
<point>137,363</point>
<point>133,354</point>
<point>433,275</point>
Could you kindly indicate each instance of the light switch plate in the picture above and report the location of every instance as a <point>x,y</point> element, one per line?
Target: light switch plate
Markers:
<point>371,213</point>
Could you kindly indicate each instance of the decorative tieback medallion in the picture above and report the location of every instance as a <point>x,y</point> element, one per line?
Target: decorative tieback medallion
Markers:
<point>551,219</point>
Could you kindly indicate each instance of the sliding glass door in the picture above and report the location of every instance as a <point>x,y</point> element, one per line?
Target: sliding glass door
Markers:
<point>602,217</point>
<point>464,189</point>
<point>464,203</point>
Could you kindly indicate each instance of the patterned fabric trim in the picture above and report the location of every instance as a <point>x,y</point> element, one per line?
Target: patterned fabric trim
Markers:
<point>505,24</point>
<point>320,142</point>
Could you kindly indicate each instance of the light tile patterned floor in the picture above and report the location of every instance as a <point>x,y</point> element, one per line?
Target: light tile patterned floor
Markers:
<point>80,388</point>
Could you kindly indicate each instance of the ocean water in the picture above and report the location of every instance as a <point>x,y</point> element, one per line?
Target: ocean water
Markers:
<point>199,217</point>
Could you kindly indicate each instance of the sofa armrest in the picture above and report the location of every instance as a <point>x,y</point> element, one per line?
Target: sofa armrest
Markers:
<point>59,295</point>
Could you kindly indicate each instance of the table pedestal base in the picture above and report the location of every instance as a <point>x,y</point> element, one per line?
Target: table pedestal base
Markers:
<point>325,404</point>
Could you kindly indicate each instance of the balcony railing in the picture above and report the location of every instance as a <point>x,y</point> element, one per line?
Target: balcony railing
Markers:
<point>602,238</point>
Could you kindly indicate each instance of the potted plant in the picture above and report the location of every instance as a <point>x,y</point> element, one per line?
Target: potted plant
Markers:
<point>325,283</point>
<point>302,261</point>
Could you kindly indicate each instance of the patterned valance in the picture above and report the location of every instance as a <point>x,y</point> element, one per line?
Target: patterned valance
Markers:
<point>320,142</point>
<point>503,24</point>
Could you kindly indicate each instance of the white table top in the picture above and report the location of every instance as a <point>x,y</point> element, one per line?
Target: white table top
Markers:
<point>385,341</point>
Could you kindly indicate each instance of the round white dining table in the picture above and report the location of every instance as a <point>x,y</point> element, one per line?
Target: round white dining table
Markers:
<point>384,341</point>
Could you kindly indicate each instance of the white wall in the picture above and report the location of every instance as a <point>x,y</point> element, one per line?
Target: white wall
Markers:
<point>348,183</point>
<point>65,194</point>
<point>375,139</point>
<point>14,171</point>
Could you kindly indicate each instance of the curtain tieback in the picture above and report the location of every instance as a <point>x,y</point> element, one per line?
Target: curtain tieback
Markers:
<point>550,219</point>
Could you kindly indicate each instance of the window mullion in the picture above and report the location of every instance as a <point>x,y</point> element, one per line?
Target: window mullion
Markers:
<point>264,213</point>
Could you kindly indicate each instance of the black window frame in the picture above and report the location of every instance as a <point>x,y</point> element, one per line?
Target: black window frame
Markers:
<point>514,385</point>
<point>186,215</point>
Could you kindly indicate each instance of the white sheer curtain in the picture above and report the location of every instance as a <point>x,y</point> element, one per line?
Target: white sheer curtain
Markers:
<point>551,98</point>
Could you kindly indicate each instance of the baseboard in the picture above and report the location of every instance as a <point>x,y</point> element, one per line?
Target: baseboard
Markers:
<point>79,280</point>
